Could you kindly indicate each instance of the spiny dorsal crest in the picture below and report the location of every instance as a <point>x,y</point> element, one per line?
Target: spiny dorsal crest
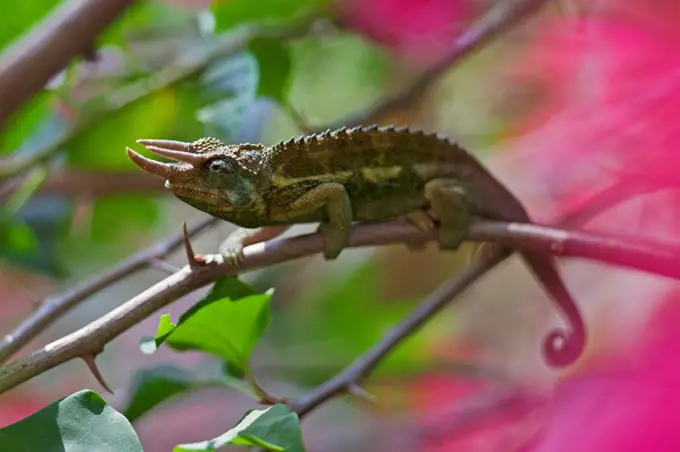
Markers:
<point>206,145</point>
<point>362,136</point>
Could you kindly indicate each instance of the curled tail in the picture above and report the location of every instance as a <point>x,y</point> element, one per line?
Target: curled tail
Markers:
<point>561,348</point>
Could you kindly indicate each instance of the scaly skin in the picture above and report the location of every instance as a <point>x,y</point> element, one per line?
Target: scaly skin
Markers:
<point>336,178</point>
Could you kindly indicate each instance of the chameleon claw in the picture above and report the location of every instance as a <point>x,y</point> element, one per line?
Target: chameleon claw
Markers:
<point>233,255</point>
<point>235,260</point>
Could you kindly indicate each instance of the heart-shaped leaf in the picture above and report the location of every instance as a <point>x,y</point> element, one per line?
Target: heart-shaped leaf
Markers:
<point>81,422</point>
<point>227,323</point>
<point>276,428</point>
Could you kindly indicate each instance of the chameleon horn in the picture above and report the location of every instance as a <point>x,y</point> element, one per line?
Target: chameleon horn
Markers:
<point>150,166</point>
<point>167,144</point>
<point>195,160</point>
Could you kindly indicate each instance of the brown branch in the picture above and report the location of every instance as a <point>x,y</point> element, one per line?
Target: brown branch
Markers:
<point>54,307</point>
<point>651,257</point>
<point>499,19</point>
<point>69,31</point>
<point>90,184</point>
<point>647,256</point>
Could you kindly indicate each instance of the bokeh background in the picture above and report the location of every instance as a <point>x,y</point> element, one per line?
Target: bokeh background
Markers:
<point>579,99</point>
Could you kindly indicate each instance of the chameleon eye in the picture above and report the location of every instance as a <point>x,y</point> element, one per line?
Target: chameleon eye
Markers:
<point>218,166</point>
<point>220,173</point>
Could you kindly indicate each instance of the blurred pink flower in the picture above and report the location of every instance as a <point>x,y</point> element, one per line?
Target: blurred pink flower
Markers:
<point>19,405</point>
<point>609,104</point>
<point>420,30</point>
<point>633,406</point>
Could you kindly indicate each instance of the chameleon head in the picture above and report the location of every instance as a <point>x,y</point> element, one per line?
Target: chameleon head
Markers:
<point>208,174</point>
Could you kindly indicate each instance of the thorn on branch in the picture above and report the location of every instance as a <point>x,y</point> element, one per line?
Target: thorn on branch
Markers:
<point>32,297</point>
<point>361,393</point>
<point>195,260</point>
<point>92,365</point>
<point>191,257</point>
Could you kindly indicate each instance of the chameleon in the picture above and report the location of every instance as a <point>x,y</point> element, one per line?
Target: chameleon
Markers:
<point>343,176</point>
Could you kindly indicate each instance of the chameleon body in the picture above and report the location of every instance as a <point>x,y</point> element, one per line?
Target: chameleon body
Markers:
<point>360,174</point>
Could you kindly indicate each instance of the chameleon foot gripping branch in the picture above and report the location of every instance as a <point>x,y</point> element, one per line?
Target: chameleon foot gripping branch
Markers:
<point>347,175</point>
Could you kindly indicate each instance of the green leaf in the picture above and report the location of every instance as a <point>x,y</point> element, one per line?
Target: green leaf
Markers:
<point>81,422</point>
<point>17,239</point>
<point>274,64</point>
<point>24,16</point>
<point>28,186</point>
<point>230,13</point>
<point>151,387</point>
<point>111,229</point>
<point>25,122</point>
<point>227,323</point>
<point>146,16</point>
<point>231,84</point>
<point>276,428</point>
<point>102,144</point>
<point>326,84</point>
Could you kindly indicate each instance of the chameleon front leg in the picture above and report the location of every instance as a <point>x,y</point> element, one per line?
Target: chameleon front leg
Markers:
<point>334,198</point>
<point>448,201</point>
<point>232,248</point>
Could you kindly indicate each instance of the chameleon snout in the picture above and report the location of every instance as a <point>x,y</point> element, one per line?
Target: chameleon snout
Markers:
<point>173,173</point>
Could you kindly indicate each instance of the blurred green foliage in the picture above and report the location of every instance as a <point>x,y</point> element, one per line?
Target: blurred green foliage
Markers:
<point>84,120</point>
<point>229,14</point>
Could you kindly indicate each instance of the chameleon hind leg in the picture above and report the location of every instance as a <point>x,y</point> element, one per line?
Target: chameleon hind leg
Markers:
<point>232,248</point>
<point>424,222</point>
<point>448,201</point>
<point>334,198</point>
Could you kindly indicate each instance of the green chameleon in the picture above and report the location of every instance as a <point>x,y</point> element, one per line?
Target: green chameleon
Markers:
<point>359,174</point>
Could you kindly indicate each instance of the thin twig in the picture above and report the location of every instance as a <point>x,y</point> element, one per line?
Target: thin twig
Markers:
<point>612,195</point>
<point>468,411</point>
<point>362,367</point>
<point>657,258</point>
<point>69,31</point>
<point>54,307</point>
<point>499,19</point>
